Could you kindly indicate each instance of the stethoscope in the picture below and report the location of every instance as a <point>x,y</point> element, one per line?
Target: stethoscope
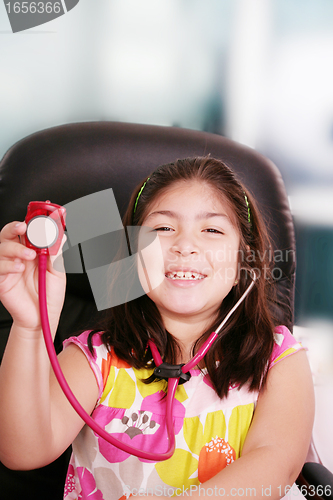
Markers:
<point>50,218</point>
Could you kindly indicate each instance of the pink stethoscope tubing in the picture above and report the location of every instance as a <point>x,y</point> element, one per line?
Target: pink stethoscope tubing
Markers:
<point>172,382</point>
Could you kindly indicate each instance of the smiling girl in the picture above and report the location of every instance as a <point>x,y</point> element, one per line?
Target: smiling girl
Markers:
<point>244,418</point>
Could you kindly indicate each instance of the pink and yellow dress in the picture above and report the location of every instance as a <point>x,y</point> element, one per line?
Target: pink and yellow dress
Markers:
<point>210,432</point>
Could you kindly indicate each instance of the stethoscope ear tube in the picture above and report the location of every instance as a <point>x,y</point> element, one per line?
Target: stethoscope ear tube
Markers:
<point>172,385</point>
<point>213,336</point>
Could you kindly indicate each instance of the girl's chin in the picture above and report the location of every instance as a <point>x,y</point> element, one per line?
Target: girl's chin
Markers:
<point>181,308</point>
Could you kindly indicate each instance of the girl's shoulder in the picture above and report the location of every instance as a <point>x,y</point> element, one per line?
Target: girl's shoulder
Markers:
<point>285,345</point>
<point>100,358</point>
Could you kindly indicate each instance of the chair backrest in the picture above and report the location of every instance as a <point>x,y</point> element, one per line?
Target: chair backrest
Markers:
<point>68,162</point>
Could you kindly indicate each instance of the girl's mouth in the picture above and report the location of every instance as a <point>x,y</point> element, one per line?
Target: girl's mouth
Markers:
<point>186,276</point>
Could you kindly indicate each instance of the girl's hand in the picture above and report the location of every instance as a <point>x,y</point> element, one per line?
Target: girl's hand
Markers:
<point>19,281</point>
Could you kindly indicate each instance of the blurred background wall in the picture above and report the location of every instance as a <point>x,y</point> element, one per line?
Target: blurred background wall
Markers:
<point>257,71</point>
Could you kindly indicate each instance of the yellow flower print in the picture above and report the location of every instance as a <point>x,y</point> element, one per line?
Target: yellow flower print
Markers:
<point>196,436</point>
<point>123,392</point>
<point>238,427</point>
<point>177,470</point>
<point>148,389</point>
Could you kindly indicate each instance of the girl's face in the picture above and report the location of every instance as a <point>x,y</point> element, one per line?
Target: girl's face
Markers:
<point>196,265</point>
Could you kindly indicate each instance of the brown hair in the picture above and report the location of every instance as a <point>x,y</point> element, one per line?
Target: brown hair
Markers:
<point>242,351</point>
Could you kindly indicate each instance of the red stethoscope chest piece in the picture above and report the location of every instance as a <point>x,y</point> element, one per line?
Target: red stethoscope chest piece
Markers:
<point>45,227</point>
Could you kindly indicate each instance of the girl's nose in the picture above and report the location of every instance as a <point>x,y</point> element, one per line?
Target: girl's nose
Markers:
<point>185,246</point>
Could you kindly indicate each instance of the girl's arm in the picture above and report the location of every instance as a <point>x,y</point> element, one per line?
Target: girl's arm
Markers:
<point>37,421</point>
<point>36,424</point>
<point>277,443</point>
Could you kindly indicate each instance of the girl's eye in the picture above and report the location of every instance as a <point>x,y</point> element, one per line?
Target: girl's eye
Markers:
<point>212,230</point>
<point>163,229</point>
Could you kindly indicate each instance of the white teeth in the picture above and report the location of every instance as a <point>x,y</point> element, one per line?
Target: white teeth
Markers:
<point>180,275</point>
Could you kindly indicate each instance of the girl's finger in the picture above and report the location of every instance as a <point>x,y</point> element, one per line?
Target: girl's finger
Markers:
<point>10,267</point>
<point>9,250</point>
<point>12,231</point>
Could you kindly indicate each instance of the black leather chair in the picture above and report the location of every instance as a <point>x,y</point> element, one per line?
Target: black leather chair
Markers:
<point>68,162</point>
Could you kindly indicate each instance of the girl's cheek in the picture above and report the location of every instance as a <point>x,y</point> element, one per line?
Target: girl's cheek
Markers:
<point>226,274</point>
<point>226,264</point>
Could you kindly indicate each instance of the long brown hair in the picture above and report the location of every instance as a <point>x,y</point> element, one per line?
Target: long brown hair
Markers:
<point>242,351</point>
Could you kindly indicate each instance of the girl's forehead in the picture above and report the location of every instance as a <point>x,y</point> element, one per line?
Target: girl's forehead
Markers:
<point>194,194</point>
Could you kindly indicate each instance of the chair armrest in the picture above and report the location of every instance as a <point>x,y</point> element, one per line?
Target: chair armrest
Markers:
<point>315,482</point>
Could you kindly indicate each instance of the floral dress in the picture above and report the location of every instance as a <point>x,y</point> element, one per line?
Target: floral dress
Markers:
<point>210,432</point>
